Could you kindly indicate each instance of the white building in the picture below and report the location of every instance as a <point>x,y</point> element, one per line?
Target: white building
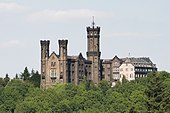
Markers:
<point>127,69</point>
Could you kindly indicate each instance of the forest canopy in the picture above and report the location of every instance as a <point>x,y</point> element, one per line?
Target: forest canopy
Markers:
<point>23,95</point>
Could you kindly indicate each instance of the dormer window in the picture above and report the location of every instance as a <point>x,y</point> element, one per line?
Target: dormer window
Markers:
<point>53,64</point>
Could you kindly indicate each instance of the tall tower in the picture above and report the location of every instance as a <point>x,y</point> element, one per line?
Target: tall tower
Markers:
<point>63,60</point>
<point>93,51</point>
<point>44,60</point>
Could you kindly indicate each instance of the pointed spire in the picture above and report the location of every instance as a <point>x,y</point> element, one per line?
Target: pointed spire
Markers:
<point>93,23</point>
<point>129,55</point>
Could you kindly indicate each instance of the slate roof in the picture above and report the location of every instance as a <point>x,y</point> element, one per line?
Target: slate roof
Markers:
<point>137,62</point>
<point>140,62</point>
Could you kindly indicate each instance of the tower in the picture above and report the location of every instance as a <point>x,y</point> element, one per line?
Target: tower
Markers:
<point>44,60</point>
<point>93,51</point>
<point>63,60</point>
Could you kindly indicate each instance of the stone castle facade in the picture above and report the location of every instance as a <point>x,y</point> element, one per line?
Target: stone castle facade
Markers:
<point>62,68</point>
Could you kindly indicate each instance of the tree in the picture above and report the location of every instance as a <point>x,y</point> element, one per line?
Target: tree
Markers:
<point>35,78</point>
<point>124,80</point>
<point>138,102</point>
<point>16,76</point>
<point>6,79</point>
<point>149,94</point>
<point>14,93</point>
<point>25,75</point>
<point>116,102</point>
<point>165,103</point>
<point>2,82</point>
<point>157,91</point>
<point>104,86</point>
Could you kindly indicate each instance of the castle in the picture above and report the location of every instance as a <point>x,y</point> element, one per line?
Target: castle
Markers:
<point>62,68</point>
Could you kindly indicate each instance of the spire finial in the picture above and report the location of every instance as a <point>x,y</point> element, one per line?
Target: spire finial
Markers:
<point>93,23</point>
<point>129,55</point>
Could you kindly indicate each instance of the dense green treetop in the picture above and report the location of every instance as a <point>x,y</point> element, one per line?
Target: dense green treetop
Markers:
<point>150,94</point>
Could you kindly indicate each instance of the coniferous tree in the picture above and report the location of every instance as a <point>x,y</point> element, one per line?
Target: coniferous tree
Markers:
<point>6,79</point>
<point>35,78</point>
<point>25,75</point>
<point>16,76</point>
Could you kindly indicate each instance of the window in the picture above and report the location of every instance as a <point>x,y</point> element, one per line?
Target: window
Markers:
<point>95,33</point>
<point>53,73</point>
<point>72,72</point>
<point>126,69</point>
<point>131,69</point>
<point>53,64</point>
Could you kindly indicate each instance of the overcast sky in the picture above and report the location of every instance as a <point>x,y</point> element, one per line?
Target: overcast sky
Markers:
<point>138,27</point>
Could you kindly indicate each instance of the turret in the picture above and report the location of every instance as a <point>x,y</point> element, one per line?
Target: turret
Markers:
<point>93,51</point>
<point>63,60</point>
<point>44,48</point>
<point>44,58</point>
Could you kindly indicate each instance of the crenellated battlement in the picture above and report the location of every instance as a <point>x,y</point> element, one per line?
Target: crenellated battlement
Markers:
<point>63,43</point>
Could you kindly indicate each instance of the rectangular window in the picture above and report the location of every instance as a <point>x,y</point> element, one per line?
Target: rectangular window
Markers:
<point>52,73</point>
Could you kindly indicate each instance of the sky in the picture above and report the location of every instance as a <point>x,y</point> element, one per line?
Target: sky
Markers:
<point>138,27</point>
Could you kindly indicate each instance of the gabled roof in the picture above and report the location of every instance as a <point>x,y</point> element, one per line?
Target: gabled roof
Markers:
<point>80,56</point>
<point>116,57</point>
<point>128,60</point>
<point>54,54</point>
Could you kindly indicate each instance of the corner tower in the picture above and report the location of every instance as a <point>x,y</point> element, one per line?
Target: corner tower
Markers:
<point>44,60</point>
<point>93,51</point>
<point>63,60</point>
